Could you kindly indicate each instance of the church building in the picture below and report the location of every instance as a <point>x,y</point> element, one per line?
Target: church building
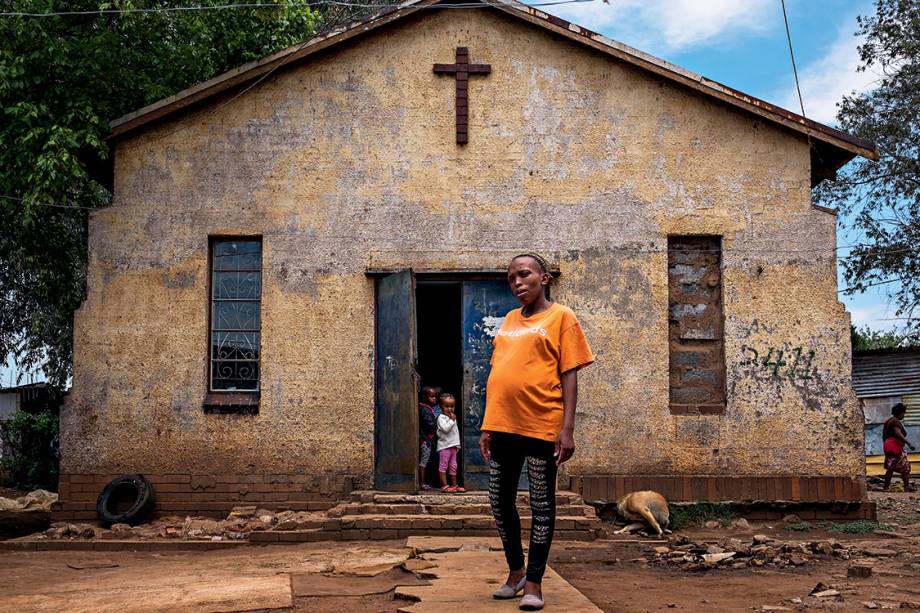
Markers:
<point>296,245</point>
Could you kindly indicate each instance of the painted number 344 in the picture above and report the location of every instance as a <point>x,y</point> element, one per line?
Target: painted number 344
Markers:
<point>794,363</point>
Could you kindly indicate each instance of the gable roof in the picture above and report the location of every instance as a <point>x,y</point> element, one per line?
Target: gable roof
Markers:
<point>830,148</point>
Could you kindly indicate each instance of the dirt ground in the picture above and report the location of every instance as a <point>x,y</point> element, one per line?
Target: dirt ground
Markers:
<point>615,575</point>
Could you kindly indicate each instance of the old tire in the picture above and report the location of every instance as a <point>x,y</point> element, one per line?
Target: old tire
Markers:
<point>125,500</point>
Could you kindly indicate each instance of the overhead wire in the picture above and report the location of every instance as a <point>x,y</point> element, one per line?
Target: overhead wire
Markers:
<point>795,73</point>
<point>219,7</point>
<point>397,6</point>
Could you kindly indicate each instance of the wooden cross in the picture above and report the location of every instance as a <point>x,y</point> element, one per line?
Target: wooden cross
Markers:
<point>462,70</point>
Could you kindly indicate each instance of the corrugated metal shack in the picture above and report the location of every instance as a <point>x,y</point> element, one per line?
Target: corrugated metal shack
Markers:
<point>883,378</point>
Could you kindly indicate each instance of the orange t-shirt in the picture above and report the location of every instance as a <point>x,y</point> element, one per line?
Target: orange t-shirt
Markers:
<point>524,392</point>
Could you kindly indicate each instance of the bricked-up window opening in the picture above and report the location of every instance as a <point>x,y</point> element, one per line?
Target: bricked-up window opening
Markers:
<point>236,294</point>
<point>696,346</point>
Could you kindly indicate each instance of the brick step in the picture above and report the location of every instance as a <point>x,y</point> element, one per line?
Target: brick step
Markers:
<point>435,498</point>
<point>365,534</point>
<point>355,508</point>
<point>450,522</point>
<point>431,522</point>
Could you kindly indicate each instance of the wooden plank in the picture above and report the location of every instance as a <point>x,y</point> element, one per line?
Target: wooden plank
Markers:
<point>396,403</point>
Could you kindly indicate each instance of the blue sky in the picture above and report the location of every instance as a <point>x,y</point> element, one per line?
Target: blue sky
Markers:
<point>742,43</point>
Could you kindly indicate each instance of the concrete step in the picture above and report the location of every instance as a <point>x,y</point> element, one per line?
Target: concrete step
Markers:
<point>378,534</point>
<point>355,508</point>
<point>453,522</point>
<point>435,497</point>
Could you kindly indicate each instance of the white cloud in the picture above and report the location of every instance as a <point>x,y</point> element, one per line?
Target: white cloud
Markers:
<point>825,80</point>
<point>877,316</point>
<point>660,26</point>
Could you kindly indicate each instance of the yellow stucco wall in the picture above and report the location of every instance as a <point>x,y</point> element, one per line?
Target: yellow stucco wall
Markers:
<point>348,162</point>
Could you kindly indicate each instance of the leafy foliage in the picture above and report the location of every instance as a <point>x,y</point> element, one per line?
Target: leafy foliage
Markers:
<point>799,526</point>
<point>683,516</point>
<point>859,526</point>
<point>864,339</point>
<point>30,457</point>
<point>62,79</point>
<point>884,197</point>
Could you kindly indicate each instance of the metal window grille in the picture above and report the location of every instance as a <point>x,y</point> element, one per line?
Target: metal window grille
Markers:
<point>236,296</point>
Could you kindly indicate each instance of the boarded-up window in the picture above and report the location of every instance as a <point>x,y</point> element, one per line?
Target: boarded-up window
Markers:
<point>695,324</point>
<point>236,294</point>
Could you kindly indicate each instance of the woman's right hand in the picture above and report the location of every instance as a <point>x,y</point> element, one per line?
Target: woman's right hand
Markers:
<point>485,445</point>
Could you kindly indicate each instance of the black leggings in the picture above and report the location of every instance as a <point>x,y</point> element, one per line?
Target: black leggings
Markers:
<point>508,454</point>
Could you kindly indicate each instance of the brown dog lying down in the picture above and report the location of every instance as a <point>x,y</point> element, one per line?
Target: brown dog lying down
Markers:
<point>645,506</point>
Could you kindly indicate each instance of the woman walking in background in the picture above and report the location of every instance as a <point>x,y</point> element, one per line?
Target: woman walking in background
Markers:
<point>894,435</point>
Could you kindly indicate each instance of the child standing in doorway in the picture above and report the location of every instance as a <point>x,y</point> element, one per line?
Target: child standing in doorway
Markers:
<point>427,432</point>
<point>448,443</point>
<point>530,418</point>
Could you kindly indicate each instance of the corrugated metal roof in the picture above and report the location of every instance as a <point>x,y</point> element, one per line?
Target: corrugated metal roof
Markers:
<point>886,373</point>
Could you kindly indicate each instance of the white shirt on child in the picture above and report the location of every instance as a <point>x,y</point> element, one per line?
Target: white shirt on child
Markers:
<point>448,433</point>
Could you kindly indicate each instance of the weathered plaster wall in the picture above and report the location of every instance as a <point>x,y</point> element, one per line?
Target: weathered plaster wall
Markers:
<point>349,162</point>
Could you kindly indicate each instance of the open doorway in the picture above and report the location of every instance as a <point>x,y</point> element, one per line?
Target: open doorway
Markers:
<point>433,331</point>
<point>440,351</point>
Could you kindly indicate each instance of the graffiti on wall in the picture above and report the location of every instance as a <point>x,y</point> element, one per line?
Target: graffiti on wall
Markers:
<point>779,362</point>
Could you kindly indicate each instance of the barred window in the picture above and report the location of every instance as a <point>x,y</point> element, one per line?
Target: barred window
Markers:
<point>236,293</point>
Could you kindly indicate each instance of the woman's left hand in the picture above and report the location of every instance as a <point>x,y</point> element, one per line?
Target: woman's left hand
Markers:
<point>565,446</point>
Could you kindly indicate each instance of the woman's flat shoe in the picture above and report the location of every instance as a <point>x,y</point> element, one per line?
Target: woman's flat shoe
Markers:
<point>530,603</point>
<point>506,592</point>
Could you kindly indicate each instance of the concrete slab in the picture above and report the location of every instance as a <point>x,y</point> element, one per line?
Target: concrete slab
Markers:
<point>442,544</point>
<point>182,593</point>
<point>310,584</point>
<point>464,581</point>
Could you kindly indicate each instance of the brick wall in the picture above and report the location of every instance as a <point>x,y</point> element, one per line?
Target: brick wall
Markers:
<point>209,495</point>
<point>723,489</point>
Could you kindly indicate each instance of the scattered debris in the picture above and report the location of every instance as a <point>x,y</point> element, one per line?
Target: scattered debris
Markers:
<point>239,523</point>
<point>878,552</point>
<point>860,571</point>
<point>759,551</point>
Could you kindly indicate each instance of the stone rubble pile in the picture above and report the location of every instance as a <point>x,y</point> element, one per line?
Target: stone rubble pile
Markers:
<point>237,526</point>
<point>760,551</point>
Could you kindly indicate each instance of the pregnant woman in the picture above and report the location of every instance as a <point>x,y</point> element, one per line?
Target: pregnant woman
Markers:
<point>530,416</point>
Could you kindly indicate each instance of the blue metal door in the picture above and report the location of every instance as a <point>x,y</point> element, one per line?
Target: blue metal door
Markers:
<point>485,303</point>
<point>396,405</point>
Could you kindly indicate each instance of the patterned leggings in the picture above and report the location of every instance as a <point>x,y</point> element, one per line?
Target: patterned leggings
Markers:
<point>508,454</point>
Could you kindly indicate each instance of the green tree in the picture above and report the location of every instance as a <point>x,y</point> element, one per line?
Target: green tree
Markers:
<point>30,441</point>
<point>883,198</point>
<point>864,339</point>
<point>62,79</point>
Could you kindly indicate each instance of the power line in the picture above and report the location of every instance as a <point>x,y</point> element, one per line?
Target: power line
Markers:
<point>49,204</point>
<point>220,7</point>
<point>795,73</point>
